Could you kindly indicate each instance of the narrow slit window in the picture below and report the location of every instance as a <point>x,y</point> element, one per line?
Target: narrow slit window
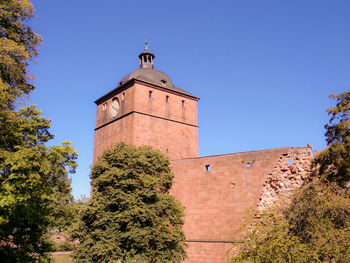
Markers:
<point>183,103</point>
<point>150,94</point>
<point>123,96</point>
<point>207,167</point>
<point>249,165</point>
<point>104,106</point>
<point>167,99</point>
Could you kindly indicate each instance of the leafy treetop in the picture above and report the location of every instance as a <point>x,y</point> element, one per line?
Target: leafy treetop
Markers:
<point>131,217</point>
<point>18,45</point>
<point>339,124</point>
<point>333,163</point>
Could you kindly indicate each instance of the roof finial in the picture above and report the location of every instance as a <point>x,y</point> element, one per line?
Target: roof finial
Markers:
<point>146,57</point>
<point>146,43</point>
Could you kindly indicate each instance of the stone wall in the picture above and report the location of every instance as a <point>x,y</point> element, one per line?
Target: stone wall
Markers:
<point>201,252</point>
<point>288,174</point>
<point>218,190</point>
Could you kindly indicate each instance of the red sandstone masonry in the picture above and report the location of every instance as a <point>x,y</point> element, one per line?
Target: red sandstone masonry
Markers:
<point>163,120</point>
<point>175,140</point>
<point>200,252</point>
<point>216,201</point>
<point>288,174</point>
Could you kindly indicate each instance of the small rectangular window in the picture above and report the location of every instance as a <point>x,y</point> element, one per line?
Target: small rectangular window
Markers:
<point>123,96</point>
<point>207,167</point>
<point>150,94</point>
<point>183,103</point>
<point>167,99</point>
<point>104,106</point>
<point>249,165</point>
<point>290,162</point>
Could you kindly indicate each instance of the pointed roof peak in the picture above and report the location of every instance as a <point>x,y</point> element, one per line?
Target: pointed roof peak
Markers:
<point>146,49</point>
<point>146,43</point>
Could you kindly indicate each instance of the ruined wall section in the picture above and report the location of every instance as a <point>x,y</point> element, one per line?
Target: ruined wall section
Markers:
<point>217,191</point>
<point>289,174</point>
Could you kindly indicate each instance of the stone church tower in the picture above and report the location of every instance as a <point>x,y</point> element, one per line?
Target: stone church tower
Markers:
<point>146,108</point>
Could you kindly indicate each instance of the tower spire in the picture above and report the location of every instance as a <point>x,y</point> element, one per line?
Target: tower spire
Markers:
<point>146,57</point>
<point>146,43</point>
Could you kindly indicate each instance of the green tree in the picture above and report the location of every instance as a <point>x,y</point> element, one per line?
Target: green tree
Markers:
<point>65,208</point>
<point>315,227</point>
<point>267,238</point>
<point>333,163</point>
<point>320,217</point>
<point>131,217</point>
<point>18,45</point>
<point>32,176</point>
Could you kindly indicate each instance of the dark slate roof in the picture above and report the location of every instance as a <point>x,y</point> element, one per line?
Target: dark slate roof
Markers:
<point>153,76</point>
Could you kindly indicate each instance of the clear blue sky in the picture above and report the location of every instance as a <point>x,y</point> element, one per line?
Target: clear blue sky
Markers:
<point>263,69</point>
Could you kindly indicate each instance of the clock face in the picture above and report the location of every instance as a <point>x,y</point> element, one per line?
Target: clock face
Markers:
<point>115,107</point>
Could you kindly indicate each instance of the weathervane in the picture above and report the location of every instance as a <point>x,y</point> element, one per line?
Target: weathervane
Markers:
<point>146,41</point>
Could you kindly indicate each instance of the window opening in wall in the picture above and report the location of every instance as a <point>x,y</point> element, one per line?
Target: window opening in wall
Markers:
<point>207,167</point>
<point>290,162</point>
<point>121,83</point>
<point>150,94</point>
<point>123,96</point>
<point>249,165</point>
<point>163,82</point>
<point>104,106</point>
<point>167,99</point>
<point>232,185</point>
<point>145,59</point>
<point>183,103</point>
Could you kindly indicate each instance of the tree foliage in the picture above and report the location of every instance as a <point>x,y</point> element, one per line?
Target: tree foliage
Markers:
<point>320,217</point>
<point>131,217</point>
<point>33,177</point>
<point>333,163</point>
<point>18,45</point>
<point>314,228</point>
<point>338,127</point>
<point>268,239</point>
